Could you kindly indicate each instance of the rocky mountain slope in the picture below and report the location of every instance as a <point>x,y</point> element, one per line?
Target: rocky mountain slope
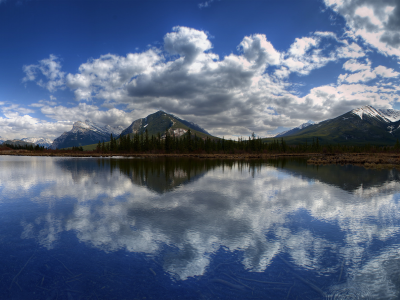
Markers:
<point>358,126</point>
<point>39,141</point>
<point>85,133</point>
<point>18,143</point>
<point>295,130</point>
<point>161,121</point>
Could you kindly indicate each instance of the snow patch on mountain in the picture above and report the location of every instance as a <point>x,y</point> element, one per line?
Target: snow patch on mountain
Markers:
<point>387,115</point>
<point>86,133</point>
<point>39,141</point>
<point>89,125</point>
<point>302,126</point>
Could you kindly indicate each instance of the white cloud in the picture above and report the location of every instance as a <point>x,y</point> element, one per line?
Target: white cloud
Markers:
<point>353,65</point>
<point>377,22</point>
<point>386,72</point>
<point>47,73</point>
<point>83,111</point>
<point>42,103</point>
<point>259,51</point>
<point>205,4</point>
<point>364,72</point>
<point>231,95</point>
<point>362,76</point>
<point>16,123</point>
<point>107,76</point>
<point>187,42</point>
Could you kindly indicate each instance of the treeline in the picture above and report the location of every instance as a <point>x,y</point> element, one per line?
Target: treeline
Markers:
<point>188,143</point>
<point>25,147</point>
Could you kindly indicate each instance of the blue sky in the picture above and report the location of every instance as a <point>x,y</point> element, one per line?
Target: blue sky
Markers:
<point>233,67</point>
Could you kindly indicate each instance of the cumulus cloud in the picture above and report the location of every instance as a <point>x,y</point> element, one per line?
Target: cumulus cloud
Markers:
<point>83,111</point>
<point>47,73</point>
<point>377,22</point>
<point>243,92</point>
<point>17,123</point>
<point>42,103</point>
<point>362,72</point>
<point>259,51</point>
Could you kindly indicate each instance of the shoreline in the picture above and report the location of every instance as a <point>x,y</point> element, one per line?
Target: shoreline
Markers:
<point>367,160</point>
<point>154,155</point>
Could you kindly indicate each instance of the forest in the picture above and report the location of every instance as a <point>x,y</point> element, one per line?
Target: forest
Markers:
<point>189,143</point>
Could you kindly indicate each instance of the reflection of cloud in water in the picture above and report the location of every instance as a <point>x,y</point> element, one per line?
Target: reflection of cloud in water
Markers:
<point>259,213</point>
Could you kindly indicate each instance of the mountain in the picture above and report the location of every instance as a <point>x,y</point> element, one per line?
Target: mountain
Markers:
<point>161,121</point>
<point>85,133</point>
<point>39,141</point>
<point>294,130</point>
<point>358,126</point>
<point>18,143</point>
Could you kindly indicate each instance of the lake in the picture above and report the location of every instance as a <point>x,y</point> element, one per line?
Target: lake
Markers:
<point>118,228</point>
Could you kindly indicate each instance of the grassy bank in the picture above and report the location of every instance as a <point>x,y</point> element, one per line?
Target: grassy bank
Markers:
<point>367,160</point>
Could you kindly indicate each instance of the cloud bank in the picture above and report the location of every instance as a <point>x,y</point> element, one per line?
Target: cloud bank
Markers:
<point>231,95</point>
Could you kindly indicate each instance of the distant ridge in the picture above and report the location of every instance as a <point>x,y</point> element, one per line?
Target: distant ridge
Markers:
<point>294,130</point>
<point>18,143</point>
<point>39,141</point>
<point>85,133</point>
<point>89,133</point>
<point>362,125</point>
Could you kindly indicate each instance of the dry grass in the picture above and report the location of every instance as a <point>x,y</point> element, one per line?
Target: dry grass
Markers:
<point>367,160</point>
<point>60,153</point>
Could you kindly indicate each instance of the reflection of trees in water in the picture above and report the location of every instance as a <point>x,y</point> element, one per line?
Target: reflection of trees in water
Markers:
<point>164,174</point>
<point>348,177</point>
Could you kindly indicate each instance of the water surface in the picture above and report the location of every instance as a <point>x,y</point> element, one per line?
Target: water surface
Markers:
<point>109,228</point>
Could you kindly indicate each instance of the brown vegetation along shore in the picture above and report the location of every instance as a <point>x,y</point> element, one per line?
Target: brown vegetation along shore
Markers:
<point>61,153</point>
<point>367,160</point>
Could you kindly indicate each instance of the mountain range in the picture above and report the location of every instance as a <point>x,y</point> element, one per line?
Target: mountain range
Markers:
<point>39,141</point>
<point>89,133</point>
<point>359,126</point>
<point>295,130</point>
<point>85,133</point>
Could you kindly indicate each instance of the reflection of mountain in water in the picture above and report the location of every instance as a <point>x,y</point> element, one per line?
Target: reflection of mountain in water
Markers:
<point>159,174</point>
<point>349,178</point>
<point>163,174</point>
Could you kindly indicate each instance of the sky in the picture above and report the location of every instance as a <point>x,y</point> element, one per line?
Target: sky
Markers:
<point>233,67</point>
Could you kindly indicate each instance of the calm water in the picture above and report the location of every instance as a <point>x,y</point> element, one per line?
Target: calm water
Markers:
<point>196,229</point>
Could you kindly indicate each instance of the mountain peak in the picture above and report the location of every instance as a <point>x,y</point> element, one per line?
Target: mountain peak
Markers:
<point>85,133</point>
<point>387,115</point>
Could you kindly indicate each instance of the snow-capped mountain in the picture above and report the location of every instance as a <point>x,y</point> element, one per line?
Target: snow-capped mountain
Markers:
<point>387,115</point>
<point>39,141</point>
<point>296,129</point>
<point>85,133</point>
<point>359,126</point>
